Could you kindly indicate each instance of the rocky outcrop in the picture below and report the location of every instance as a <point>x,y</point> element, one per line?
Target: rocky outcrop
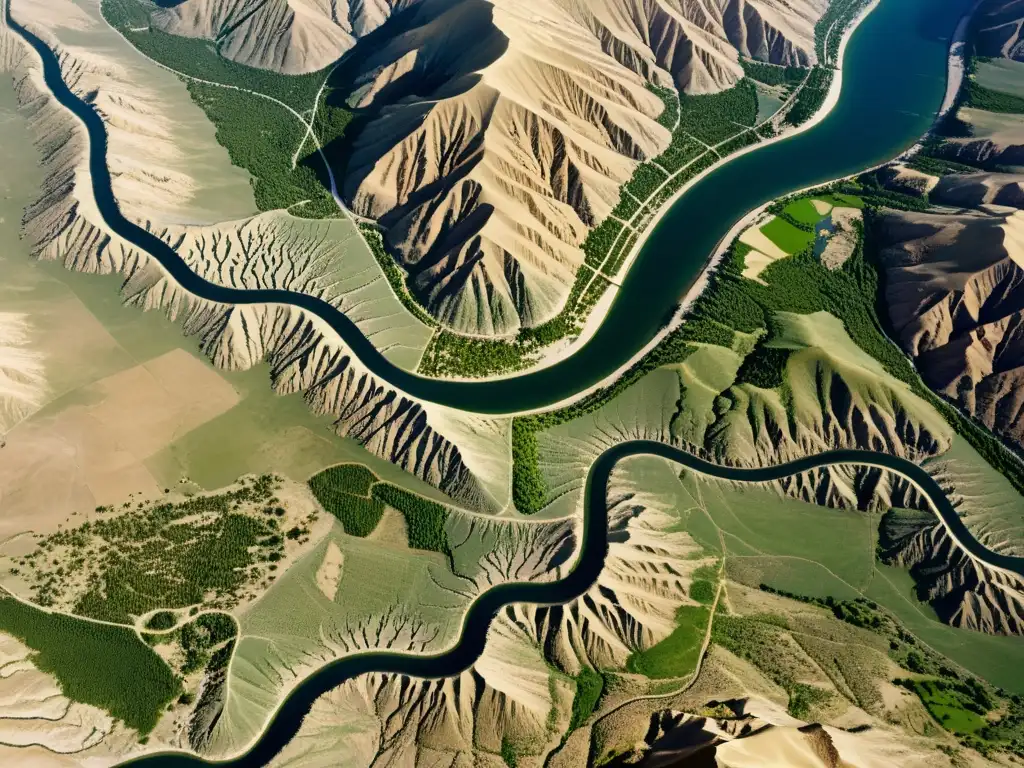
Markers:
<point>964,591</point>
<point>955,295</point>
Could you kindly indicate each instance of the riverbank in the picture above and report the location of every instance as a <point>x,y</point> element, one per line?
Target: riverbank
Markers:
<point>283,724</point>
<point>600,312</point>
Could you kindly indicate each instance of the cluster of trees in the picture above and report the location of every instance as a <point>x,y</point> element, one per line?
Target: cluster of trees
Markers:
<point>199,638</point>
<point>837,17</point>
<point>645,180</point>
<point>811,96</point>
<point>670,98</point>
<point>161,620</point>
<point>619,254</point>
<point>589,687</point>
<point>126,14</point>
<point>772,74</point>
<point>95,664</point>
<point>451,354</point>
<point>344,491</point>
<point>681,151</point>
<point>980,97</point>
<point>600,241</point>
<point>260,137</point>
<point>713,118</point>
<point>165,555</point>
<point>424,519</point>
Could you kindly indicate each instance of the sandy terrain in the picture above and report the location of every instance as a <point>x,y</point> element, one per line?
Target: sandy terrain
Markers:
<point>22,377</point>
<point>328,575</point>
<point>89,449</point>
<point>844,239</point>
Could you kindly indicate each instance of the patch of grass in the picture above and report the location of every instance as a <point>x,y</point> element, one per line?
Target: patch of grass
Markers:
<point>803,211</point>
<point>803,698</point>
<point>344,491</point>
<point>788,237</point>
<point>589,686</point>
<point>97,664</point>
<point>677,654</point>
<point>952,704</point>
<point>703,591</point>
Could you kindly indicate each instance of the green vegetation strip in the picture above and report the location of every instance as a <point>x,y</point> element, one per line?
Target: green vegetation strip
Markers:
<point>354,495</point>
<point>98,664</point>
<point>259,135</point>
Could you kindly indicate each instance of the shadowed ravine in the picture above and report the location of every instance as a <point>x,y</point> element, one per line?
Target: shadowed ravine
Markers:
<point>893,83</point>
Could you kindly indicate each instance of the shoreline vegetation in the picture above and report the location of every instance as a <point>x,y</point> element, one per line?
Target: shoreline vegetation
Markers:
<point>704,133</point>
<point>734,305</point>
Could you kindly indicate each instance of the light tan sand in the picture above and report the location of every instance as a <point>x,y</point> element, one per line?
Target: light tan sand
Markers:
<point>821,206</point>
<point>89,449</point>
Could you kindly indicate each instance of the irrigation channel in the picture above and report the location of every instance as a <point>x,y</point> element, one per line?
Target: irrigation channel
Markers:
<point>893,82</point>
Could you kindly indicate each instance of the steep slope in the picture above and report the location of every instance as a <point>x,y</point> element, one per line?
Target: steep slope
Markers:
<point>503,132</point>
<point>289,36</point>
<point>955,293</point>
<point>964,591</point>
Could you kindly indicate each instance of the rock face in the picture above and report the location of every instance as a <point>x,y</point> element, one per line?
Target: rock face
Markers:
<point>499,132</point>
<point>290,36</point>
<point>504,131</point>
<point>955,293</point>
<point>965,592</point>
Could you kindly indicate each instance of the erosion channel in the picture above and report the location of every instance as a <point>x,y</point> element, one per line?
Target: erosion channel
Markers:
<point>893,81</point>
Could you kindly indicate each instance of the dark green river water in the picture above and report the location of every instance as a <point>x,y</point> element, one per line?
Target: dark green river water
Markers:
<point>894,79</point>
<point>893,82</point>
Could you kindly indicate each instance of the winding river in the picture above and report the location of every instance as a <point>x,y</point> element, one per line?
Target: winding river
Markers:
<point>894,80</point>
